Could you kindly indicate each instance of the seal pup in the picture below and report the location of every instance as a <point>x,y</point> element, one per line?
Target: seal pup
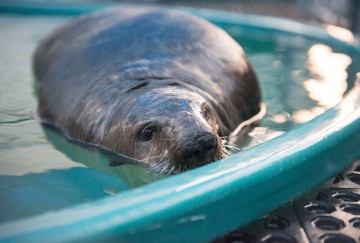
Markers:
<point>158,85</point>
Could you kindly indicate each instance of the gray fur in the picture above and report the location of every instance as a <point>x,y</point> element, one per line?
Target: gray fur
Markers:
<point>106,74</point>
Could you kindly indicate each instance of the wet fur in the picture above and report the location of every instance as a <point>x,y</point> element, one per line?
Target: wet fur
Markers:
<point>106,74</point>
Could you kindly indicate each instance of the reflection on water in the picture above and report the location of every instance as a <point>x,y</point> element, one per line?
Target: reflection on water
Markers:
<point>41,171</point>
<point>330,69</point>
<point>90,156</point>
<point>340,33</point>
<point>300,79</point>
<point>330,84</point>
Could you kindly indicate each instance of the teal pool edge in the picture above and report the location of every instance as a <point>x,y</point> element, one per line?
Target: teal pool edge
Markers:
<point>208,202</point>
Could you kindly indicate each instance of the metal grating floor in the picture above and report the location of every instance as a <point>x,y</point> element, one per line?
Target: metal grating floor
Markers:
<point>330,214</point>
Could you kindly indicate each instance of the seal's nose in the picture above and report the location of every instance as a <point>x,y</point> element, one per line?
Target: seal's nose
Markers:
<point>200,151</point>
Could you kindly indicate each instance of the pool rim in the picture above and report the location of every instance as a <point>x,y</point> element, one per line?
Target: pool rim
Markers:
<point>205,195</point>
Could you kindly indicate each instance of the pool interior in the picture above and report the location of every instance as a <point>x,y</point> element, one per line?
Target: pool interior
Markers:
<point>40,171</point>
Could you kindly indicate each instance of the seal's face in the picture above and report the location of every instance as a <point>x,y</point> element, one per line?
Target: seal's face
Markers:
<point>170,129</point>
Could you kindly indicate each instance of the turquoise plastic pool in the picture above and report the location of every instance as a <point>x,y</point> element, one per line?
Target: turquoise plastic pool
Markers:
<point>208,202</point>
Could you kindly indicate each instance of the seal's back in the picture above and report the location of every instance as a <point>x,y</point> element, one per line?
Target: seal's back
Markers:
<point>124,46</point>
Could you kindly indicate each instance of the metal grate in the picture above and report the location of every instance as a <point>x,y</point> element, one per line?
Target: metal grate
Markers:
<point>329,215</point>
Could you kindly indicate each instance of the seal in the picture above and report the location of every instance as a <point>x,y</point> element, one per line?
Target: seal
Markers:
<point>158,85</point>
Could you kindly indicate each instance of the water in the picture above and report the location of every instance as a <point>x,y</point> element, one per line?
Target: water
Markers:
<point>40,171</point>
<point>300,79</point>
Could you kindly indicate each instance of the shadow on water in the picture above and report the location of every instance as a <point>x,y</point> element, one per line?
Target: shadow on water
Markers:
<point>36,193</point>
<point>125,169</point>
<point>32,194</point>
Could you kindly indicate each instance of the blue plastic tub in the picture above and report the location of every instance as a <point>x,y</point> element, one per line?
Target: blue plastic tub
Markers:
<point>208,202</point>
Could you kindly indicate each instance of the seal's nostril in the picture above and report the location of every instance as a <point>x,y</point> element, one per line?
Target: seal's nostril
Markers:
<point>193,155</point>
<point>197,154</point>
<point>202,150</point>
<point>210,148</point>
<point>208,144</point>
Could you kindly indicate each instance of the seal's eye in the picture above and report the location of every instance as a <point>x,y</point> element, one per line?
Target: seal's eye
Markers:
<point>206,112</point>
<point>147,133</point>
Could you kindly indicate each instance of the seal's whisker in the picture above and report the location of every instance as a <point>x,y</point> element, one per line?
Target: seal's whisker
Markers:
<point>232,147</point>
<point>174,170</point>
<point>154,157</point>
<point>164,169</point>
<point>229,148</point>
<point>125,124</point>
<point>227,152</point>
<point>162,166</point>
<point>230,143</point>
<point>170,169</point>
<point>154,169</point>
<point>224,138</point>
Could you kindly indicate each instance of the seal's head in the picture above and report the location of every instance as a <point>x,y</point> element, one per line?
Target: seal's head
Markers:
<point>168,128</point>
